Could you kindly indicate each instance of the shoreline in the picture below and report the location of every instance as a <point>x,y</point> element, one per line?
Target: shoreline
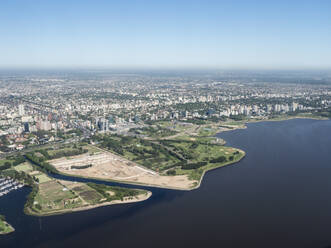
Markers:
<point>12,229</point>
<point>221,166</point>
<point>143,197</point>
<point>158,186</point>
<point>122,182</point>
<point>244,126</point>
<point>195,183</point>
<point>138,198</point>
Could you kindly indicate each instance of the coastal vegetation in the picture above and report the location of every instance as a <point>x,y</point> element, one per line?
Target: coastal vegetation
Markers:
<point>191,155</point>
<point>112,193</point>
<point>59,153</point>
<point>10,161</point>
<point>40,160</point>
<point>5,228</point>
<point>167,148</point>
<point>50,196</point>
<point>60,196</point>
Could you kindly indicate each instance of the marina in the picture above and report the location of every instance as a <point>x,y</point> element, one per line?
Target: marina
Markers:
<point>7,185</point>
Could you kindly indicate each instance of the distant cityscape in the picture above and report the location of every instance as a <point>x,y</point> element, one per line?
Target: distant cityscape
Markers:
<point>38,109</point>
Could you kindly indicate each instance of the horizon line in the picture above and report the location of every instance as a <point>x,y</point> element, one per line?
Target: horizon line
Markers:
<point>165,67</point>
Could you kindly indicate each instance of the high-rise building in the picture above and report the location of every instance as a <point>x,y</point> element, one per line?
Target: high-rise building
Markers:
<point>103,124</point>
<point>26,127</point>
<point>21,110</point>
<point>294,107</point>
<point>44,125</point>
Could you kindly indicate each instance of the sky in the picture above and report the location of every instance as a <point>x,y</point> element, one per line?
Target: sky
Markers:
<point>233,34</point>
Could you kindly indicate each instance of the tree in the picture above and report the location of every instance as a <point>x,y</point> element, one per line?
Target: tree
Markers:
<point>7,164</point>
<point>2,218</point>
<point>171,172</point>
<point>220,159</point>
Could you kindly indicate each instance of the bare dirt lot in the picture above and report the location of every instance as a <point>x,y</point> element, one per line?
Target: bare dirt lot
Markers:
<point>106,165</point>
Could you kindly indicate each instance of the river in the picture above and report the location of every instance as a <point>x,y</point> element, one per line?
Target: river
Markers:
<point>279,195</point>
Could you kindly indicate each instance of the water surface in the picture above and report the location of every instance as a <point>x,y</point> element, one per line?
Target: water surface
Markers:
<point>279,195</point>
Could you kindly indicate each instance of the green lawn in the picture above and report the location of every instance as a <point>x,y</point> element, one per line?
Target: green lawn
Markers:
<point>5,228</point>
<point>207,131</point>
<point>43,178</point>
<point>200,150</point>
<point>191,155</point>
<point>51,196</point>
<point>234,123</point>
<point>25,167</point>
<point>54,197</point>
<point>3,161</point>
<point>147,153</point>
<point>52,152</point>
<point>92,149</point>
<point>195,174</point>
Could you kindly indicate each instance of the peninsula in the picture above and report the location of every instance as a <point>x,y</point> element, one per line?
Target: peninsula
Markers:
<point>158,156</point>
<point>51,196</point>
<point>154,156</point>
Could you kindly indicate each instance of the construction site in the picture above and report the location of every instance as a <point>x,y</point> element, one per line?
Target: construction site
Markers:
<point>106,165</point>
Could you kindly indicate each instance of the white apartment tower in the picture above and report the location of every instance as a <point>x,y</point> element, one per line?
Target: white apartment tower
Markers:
<point>21,110</point>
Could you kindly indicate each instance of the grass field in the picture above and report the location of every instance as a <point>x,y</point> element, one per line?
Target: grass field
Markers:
<point>191,151</point>
<point>207,131</point>
<point>196,174</point>
<point>203,151</point>
<point>42,178</point>
<point>5,228</point>
<point>91,149</point>
<point>55,151</point>
<point>183,155</point>
<point>147,153</point>
<point>52,197</point>
<point>25,167</point>
<point>59,196</point>
<point>3,161</point>
<point>86,193</point>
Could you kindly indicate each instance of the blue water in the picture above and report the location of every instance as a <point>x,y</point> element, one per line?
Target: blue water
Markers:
<point>279,195</point>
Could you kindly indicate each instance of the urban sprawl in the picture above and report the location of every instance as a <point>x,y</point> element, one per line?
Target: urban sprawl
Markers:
<point>36,109</point>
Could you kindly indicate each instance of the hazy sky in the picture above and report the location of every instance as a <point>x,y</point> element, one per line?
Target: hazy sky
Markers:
<point>220,34</point>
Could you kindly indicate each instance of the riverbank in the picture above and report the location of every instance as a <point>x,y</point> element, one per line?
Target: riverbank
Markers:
<point>186,176</point>
<point>230,126</point>
<point>217,167</point>
<point>52,196</point>
<point>122,182</point>
<point>109,166</point>
<point>138,198</point>
<point>196,175</point>
<point>247,190</point>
